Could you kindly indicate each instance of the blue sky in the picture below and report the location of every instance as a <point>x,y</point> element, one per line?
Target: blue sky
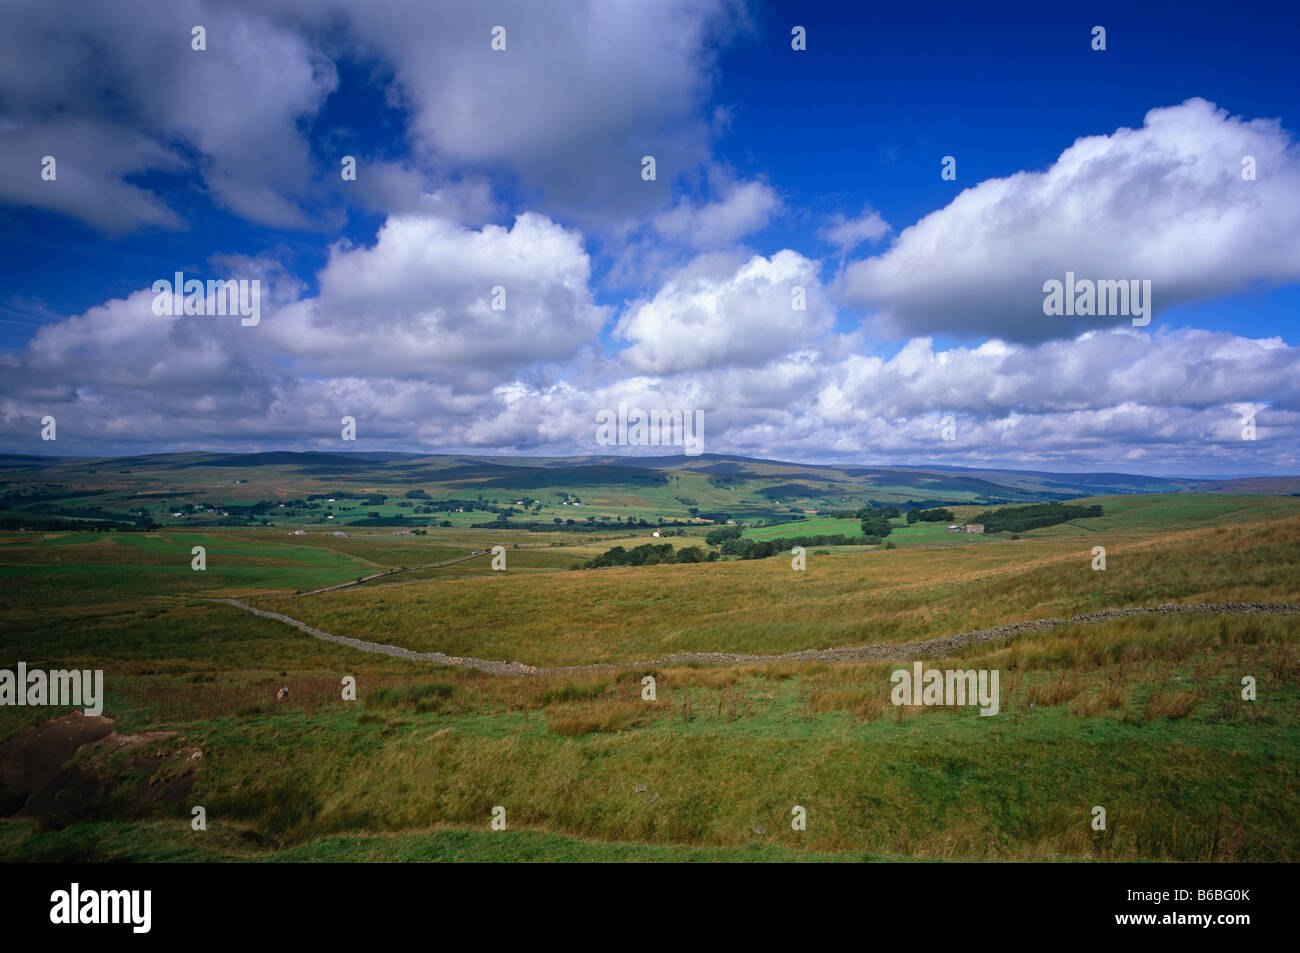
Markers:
<point>521,168</point>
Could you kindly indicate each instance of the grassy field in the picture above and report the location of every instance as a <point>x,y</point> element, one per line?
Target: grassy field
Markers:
<point>1142,715</point>
<point>625,614</point>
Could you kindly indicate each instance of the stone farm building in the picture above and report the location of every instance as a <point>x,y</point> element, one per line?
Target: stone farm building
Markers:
<point>974,527</point>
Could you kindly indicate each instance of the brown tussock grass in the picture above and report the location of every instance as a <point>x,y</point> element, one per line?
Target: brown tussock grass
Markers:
<point>598,717</point>
<point>1170,705</point>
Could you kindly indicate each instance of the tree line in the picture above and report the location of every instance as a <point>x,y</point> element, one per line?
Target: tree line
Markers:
<point>1017,519</point>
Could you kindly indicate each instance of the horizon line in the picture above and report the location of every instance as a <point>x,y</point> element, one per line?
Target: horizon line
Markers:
<point>661,456</point>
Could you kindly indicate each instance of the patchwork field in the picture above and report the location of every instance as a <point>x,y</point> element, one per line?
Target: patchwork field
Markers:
<point>1142,715</point>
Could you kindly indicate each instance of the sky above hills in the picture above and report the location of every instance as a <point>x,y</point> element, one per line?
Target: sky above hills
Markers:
<point>782,175</point>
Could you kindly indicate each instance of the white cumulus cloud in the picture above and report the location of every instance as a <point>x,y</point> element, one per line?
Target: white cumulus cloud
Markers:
<point>1165,203</point>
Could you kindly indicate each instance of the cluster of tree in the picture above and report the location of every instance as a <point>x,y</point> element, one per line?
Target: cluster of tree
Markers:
<point>749,548</point>
<point>761,549</point>
<point>826,539</point>
<point>649,554</point>
<point>1017,519</point>
<point>930,516</point>
<point>876,526</point>
<point>716,537</point>
<point>878,509</point>
<point>730,543</point>
<point>864,512</point>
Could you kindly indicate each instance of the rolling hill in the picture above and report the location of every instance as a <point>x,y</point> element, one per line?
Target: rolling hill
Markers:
<point>311,488</point>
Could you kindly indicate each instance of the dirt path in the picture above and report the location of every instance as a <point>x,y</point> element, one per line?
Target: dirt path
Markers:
<point>880,652</point>
<point>393,572</point>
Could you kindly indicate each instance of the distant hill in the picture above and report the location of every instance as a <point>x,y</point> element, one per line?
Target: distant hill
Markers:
<point>278,486</point>
<point>1269,486</point>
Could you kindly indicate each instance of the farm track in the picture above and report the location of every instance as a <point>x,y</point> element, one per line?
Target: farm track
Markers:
<point>392,572</point>
<point>880,652</point>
